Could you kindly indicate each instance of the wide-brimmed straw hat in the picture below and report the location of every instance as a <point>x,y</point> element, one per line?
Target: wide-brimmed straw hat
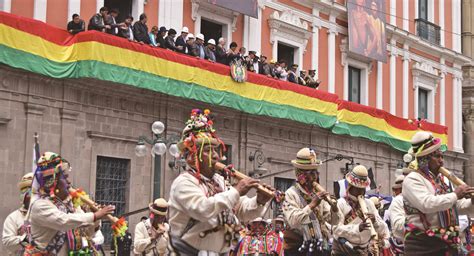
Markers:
<point>159,207</point>
<point>25,181</point>
<point>306,159</point>
<point>423,143</point>
<point>398,182</point>
<point>358,177</point>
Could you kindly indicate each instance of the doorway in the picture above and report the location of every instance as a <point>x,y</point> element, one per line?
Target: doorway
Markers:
<point>123,6</point>
<point>286,53</point>
<point>211,29</point>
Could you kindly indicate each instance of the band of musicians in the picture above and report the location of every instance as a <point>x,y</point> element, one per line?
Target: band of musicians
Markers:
<point>215,210</point>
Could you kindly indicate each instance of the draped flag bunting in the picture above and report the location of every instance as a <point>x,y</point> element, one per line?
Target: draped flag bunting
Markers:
<point>38,47</point>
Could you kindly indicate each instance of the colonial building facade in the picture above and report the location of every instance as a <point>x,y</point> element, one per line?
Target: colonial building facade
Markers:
<point>96,123</point>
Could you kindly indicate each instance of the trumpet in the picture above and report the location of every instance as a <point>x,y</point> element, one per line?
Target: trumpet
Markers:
<point>238,175</point>
<point>118,225</point>
<point>373,234</point>
<point>328,198</point>
<point>453,178</point>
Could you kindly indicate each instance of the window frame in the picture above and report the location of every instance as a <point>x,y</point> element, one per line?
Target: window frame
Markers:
<point>351,85</point>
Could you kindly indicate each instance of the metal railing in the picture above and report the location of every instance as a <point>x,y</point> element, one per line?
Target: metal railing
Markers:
<point>428,31</point>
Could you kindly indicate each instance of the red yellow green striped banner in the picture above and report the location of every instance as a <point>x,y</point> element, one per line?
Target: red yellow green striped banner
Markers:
<point>43,49</point>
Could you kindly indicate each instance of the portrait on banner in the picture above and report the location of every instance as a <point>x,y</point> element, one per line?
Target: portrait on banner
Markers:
<point>367,28</point>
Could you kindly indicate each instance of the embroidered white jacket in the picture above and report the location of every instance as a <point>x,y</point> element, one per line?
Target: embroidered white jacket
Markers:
<point>188,200</point>
<point>351,232</point>
<point>10,237</point>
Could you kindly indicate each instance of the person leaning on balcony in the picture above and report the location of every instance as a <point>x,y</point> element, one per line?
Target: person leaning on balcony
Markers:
<point>126,30</point>
<point>160,38</point>
<point>191,48</point>
<point>221,55</point>
<point>181,40</point>
<point>311,80</point>
<point>264,67</point>
<point>302,77</point>
<point>169,40</point>
<point>112,22</point>
<point>200,46</point>
<point>292,77</point>
<point>232,53</point>
<point>153,35</point>
<point>76,25</point>
<point>210,49</point>
<point>97,22</point>
<point>140,30</point>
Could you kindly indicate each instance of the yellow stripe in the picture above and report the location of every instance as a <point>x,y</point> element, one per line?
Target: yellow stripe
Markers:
<point>379,124</point>
<point>23,41</point>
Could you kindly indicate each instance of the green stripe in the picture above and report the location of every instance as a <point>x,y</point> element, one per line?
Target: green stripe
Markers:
<point>371,134</point>
<point>137,78</point>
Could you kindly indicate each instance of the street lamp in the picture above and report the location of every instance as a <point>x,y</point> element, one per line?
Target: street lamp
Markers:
<point>159,145</point>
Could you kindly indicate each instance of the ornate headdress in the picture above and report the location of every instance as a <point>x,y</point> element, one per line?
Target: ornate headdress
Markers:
<point>50,168</point>
<point>198,133</point>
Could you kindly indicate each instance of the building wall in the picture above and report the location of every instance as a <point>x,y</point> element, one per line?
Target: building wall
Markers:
<point>84,118</point>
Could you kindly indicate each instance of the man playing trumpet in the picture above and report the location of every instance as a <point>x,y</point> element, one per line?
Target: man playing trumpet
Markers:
<point>14,227</point>
<point>432,206</point>
<point>151,235</point>
<point>354,234</point>
<point>306,209</point>
<point>57,227</point>
<point>205,211</point>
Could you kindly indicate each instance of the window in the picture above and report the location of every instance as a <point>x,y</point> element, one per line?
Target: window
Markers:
<point>423,9</point>
<point>111,188</point>
<point>286,53</point>
<point>281,184</point>
<point>211,30</point>
<point>123,6</point>
<point>354,84</point>
<point>422,103</point>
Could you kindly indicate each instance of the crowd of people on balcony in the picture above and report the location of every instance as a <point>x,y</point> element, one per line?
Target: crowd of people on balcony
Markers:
<point>192,45</point>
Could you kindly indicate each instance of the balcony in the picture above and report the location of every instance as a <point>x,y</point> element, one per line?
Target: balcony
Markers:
<point>428,31</point>
<point>95,55</point>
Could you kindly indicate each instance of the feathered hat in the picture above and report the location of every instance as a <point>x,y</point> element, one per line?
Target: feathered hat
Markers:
<point>199,132</point>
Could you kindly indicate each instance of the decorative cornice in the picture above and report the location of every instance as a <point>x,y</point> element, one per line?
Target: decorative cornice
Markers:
<point>67,114</point>
<point>422,70</point>
<point>34,109</point>
<point>289,26</point>
<point>4,120</point>
<point>109,136</point>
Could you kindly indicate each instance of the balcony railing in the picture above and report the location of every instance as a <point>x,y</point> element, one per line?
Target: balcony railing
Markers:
<point>428,31</point>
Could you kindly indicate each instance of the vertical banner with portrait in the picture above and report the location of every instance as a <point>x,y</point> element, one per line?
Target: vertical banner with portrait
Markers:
<point>367,28</point>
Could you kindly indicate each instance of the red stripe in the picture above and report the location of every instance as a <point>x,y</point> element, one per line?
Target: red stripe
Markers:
<point>395,121</point>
